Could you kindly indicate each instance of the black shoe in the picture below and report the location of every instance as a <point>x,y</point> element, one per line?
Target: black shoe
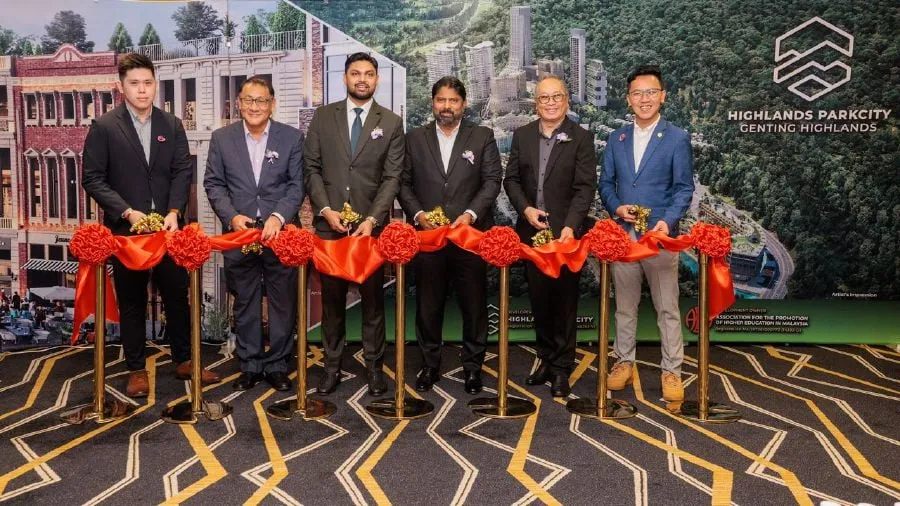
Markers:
<point>247,381</point>
<point>473,382</point>
<point>540,375</point>
<point>329,382</point>
<point>428,376</point>
<point>377,386</point>
<point>279,380</point>
<point>559,384</point>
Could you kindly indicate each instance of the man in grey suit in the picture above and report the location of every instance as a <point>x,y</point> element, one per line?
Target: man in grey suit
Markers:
<point>254,179</point>
<point>353,154</point>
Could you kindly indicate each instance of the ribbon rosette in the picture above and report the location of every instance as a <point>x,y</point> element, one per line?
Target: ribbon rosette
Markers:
<point>189,247</point>
<point>93,243</point>
<point>607,241</point>
<point>469,156</point>
<point>377,133</point>
<point>293,246</point>
<point>499,246</point>
<point>711,240</point>
<point>398,242</point>
<point>271,155</point>
<point>563,137</point>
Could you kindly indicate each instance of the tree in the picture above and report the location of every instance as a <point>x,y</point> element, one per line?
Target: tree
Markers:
<point>228,28</point>
<point>286,18</point>
<point>7,40</point>
<point>149,36</point>
<point>196,20</point>
<point>252,26</point>
<point>67,27</point>
<point>120,40</point>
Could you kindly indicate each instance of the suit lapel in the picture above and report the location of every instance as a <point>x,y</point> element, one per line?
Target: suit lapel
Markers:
<point>372,120</point>
<point>340,120</point>
<point>240,145</point>
<point>655,140</point>
<point>431,141</point>
<point>158,127</point>
<point>558,146</point>
<point>534,148</point>
<point>462,138</point>
<point>127,127</point>
<point>629,151</point>
<point>271,144</point>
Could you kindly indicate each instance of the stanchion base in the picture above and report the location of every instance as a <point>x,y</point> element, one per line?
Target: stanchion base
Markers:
<point>113,409</point>
<point>588,408</point>
<point>315,409</point>
<point>412,408</point>
<point>183,412</point>
<point>716,413</point>
<point>490,407</point>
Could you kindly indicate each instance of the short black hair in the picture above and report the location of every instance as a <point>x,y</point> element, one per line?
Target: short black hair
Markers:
<point>449,82</point>
<point>258,80</point>
<point>133,61</point>
<point>646,70</point>
<point>355,57</point>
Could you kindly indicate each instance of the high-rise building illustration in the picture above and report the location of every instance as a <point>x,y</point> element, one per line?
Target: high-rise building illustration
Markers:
<point>519,37</point>
<point>577,41</point>
<point>443,60</point>
<point>480,69</point>
<point>595,90</point>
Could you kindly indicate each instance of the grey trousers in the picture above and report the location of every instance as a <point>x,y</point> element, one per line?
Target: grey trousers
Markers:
<point>661,272</point>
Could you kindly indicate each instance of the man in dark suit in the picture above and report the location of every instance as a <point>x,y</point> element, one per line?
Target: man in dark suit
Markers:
<point>551,182</point>
<point>136,161</point>
<point>650,164</point>
<point>353,154</point>
<point>453,164</point>
<point>254,179</point>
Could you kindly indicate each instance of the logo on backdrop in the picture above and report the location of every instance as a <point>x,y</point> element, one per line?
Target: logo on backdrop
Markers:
<point>800,65</point>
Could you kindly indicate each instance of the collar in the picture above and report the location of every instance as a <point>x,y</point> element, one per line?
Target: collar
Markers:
<point>365,107</point>
<point>646,131</point>
<point>553,134</point>
<point>452,132</point>
<point>265,132</point>
<point>134,114</point>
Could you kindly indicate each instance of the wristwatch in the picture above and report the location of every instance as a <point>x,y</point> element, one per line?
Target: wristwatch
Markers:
<point>373,220</point>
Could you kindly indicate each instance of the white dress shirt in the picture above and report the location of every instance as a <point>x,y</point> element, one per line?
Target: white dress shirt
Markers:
<point>351,114</point>
<point>445,143</point>
<point>641,140</point>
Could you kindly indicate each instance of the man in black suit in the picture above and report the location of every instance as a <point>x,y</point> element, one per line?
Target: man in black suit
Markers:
<point>254,179</point>
<point>551,182</point>
<point>353,154</point>
<point>453,164</point>
<point>136,161</point>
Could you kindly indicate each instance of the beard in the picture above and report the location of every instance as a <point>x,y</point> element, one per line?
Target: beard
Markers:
<point>358,95</point>
<point>447,118</point>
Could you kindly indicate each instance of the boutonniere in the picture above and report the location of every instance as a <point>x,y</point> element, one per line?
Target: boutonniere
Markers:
<point>377,133</point>
<point>659,135</point>
<point>271,155</point>
<point>470,156</point>
<point>621,137</point>
<point>563,137</point>
<point>160,138</point>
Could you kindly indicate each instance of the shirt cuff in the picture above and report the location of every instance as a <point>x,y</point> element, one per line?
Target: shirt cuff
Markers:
<point>416,216</point>
<point>322,211</point>
<point>279,216</point>
<point>472,213</point>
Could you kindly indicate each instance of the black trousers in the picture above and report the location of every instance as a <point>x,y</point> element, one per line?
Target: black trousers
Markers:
<point>245,276</point>
<point>554,304</point>
<point>131,293</point>
<point>434,274</point>
<point>334,312</point>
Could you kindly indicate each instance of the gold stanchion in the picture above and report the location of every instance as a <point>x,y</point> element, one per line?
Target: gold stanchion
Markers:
<point>187,411</point>
<point>400,407</point>
<point>602,407</point>
<point>102,410</point>
<point>503,406</point>
<point>702,410</point>
<point>308,409</point>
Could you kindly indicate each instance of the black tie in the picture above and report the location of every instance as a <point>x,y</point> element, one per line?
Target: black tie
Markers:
<point>355,130</point>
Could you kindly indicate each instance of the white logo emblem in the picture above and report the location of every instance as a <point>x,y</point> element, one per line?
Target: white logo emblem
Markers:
<point>794,63</point>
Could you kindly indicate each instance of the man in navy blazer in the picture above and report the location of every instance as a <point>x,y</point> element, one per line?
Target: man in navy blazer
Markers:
<point>254,179</point>
<point>648,164</point>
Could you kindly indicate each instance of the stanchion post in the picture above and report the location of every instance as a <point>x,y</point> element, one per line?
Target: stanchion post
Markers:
<point>307,409</point>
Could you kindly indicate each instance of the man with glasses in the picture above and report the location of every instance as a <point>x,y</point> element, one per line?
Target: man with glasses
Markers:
<point>648,164</point>
<point>551,182</point>
<point>254,180</point>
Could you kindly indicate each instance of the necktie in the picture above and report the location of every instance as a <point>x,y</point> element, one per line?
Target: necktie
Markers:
<point>355,130</point>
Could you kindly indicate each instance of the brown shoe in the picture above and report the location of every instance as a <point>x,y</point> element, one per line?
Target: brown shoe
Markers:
<point>183,372</point>
<point>620,376</point>
<point>671,387</point>
<point>138,384</point>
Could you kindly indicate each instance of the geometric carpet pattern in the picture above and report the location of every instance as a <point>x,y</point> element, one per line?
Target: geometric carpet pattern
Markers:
<point>821,424</point>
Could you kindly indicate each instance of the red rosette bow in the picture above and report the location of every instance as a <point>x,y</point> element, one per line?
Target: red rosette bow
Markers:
<point>93,243</point>
<point>499,246</point>
<point>711,240</point>
<point>189,247</point>
<point>293,246</point>
<point>607,241</point>
<point>398,242</point>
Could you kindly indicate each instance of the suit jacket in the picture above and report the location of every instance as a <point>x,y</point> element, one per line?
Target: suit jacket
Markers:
<point>569,179</point>
<point>116,173</point>
<point>229,182</point>
<point>664,182</point>
<point>465,185</point>
<point>368,178</point>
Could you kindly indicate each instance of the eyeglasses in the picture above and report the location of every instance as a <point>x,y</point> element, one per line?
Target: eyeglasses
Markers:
<point>260,101</point>
<point>651,93</point>
<point>545,99</point>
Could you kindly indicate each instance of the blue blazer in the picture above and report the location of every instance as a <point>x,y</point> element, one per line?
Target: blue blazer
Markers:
<point>664,182</point>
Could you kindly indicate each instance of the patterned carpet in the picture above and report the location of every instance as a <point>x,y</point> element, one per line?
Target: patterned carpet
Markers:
<point>820,424</point>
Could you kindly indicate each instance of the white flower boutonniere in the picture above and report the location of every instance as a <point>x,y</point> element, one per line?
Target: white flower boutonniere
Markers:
<point>377,133</point>
<point>563,137</point>
<point>271,155</point>
<point>469,156</point>
<point>659,135</point>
